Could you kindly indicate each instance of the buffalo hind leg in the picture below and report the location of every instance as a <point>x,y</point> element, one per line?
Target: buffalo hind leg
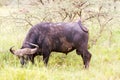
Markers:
<point>86,56</point>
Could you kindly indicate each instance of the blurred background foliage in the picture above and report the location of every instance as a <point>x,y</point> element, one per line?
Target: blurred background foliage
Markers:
<point>101,17</point>
<point>97,15</point>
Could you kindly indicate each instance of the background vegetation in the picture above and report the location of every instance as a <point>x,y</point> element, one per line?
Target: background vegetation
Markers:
<point>101,17</point>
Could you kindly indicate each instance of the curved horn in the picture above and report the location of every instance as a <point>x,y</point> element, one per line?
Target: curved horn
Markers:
<point>12,51</point>
<point>16,52</point>
<point>33,44</point>
<point>25,51</point>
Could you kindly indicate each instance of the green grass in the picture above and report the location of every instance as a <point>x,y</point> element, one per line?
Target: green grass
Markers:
<point>104,65</point>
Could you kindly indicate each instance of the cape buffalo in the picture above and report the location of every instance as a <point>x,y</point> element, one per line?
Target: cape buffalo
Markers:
<point>57,37</point>
<point>25,51</point>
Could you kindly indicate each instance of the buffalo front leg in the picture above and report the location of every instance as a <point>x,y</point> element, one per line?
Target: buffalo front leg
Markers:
<point>31,58</point>
<point>86,56</point>
<point>46,55</point>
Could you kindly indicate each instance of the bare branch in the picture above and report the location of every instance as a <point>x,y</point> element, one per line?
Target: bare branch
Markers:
<point>66,13</point>
<point>73,16</point>
<point>90,17</point>
<point>107,21</point>
<point>44,18</point>
<point>100,8</point>
<point>41,2</point>
<point>29,22</point>
<point>80,14</point>
<point>83,3</point>
<point>79,5</point>
<point>26,20</point>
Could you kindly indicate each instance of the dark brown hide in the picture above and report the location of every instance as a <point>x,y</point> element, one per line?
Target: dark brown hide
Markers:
<point>58,37</point>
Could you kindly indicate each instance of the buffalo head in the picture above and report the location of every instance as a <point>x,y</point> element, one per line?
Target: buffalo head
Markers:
<point>21,53</point>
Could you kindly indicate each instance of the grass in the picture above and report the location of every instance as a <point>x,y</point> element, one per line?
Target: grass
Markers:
<point>104,65</point>
<point>105,62</point>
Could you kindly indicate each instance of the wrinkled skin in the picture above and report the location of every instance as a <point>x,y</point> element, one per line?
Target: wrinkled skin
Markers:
<point>58,37</point>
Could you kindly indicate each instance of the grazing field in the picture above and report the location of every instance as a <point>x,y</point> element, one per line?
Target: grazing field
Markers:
<point>105,61</point>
